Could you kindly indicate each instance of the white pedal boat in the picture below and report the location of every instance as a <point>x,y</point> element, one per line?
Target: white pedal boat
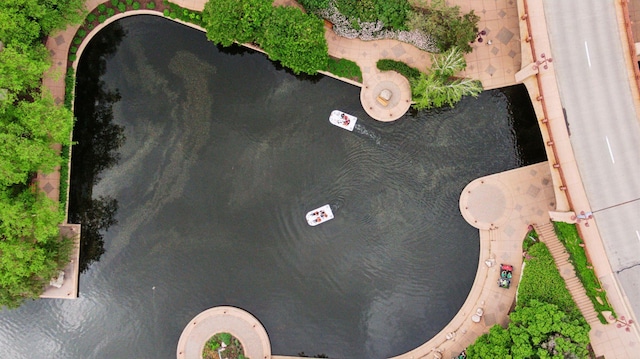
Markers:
<point>343,120</point>
<point>319,215</point>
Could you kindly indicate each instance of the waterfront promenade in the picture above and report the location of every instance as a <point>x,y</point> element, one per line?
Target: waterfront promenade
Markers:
<point>527,195</point>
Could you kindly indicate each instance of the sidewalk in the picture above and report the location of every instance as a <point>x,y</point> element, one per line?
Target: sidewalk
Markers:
<point>606,340</point>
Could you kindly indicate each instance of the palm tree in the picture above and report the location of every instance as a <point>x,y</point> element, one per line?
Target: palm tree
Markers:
<point>439,86</point>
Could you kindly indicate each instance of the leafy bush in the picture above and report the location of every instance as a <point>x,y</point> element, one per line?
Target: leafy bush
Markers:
<point>228,21</point>
<point>72,57</point>
<point>439,87</point>
<point>165,12</point>
<point>173,15</point>
<point>542,281</point>
<point>77,40</point>
<point>151,5</point>
<point>91,17</point>
<point>568,235</point>
<point>314,5</point>
<point>102,18</point>
<point>445,24</point>
<point>136,5</point>
<point>345,68</point>
<point>110,12</point>
<point>122,7</point>
<point>538,330</point>
<point>129,2</point>
<point>73,49</point>
<point>115,2</point>
<point>399,67</point>
<point>296,40</point>
<point>392,13</point>
<point>102,8</point>
<point>81,33</point>
<point>90,26</point>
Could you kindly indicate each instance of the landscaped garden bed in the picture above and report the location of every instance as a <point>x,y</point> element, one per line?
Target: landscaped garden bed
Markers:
<point>223,345</point>
<point>568,235</point>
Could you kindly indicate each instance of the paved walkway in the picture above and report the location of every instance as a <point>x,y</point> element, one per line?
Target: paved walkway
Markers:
<point>607,340</point>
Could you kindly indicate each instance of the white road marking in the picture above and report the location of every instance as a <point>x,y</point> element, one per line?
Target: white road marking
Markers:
<point>610,152</point>
<point>638,235</point>
<point>586,49</point>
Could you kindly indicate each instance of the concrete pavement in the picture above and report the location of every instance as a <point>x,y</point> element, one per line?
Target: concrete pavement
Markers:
<point>540,78</point>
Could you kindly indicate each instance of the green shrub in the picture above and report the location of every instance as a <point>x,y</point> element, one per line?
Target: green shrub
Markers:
<point>122,7</point>
<point>296,39</point>
<point>530,239</point>
<point>399,67</point>
<point>314,5</point>
<point>69,86</point>
<point>90,26</point>
<point>73,49</point>
<point>225,338</point>
<point>172,15</point>
<point>115,2</point>
<point>102,18</point>
<point>568,235</point>
<point>129,2</point>
<point>77,40</point>
<point>345,68</point>
<point>227,21</point>
<point>72,57</point>
<point>165,12</point>
<point>136,5</point>
<point>542,281</point>
<point>151,5</point>
<point>81,33</point>
<point>102,8</point>
<point>110,12</point>
<point>91,17</point>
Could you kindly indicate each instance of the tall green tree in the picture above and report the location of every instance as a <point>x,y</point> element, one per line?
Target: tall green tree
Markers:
<point>538,330</point>
<point>439,87</point>
<point>31,250</point>
<point>27,132</point>
<point>296,40</point>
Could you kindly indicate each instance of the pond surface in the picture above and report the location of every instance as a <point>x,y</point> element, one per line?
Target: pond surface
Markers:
<point>193,172</point>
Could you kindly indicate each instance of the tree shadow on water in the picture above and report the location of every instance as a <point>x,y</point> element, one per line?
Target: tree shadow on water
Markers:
<point>96,143</point>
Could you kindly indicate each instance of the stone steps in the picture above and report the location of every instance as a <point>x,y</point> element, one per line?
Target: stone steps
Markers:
<point>547,235</point>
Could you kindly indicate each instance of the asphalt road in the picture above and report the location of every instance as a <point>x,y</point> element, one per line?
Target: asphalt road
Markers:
<point>604,127</point>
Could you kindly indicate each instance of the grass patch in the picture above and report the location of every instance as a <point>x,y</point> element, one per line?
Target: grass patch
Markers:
<point>541,281</point>
<point>568,235</point>
<point>345,68</point>
<point>399,67</point>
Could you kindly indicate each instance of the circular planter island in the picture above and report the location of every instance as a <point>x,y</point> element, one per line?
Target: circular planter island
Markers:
<point>218,322</point>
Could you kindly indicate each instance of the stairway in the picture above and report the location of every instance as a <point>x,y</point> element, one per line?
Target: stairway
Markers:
<point>547,235</point>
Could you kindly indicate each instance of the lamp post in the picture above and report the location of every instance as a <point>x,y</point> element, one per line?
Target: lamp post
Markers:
<point>545,61</point>
<point>623,322</point>
<point>583,216</point>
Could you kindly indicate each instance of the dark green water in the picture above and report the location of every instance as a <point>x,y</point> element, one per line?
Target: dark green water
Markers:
<point>193,171</point>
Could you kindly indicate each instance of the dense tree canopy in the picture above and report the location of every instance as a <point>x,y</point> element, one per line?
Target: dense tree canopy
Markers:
<point>286,34</point>
<point>538,330</point>
<point>31,251</point>
<point>296,40</point>
<point>229,21</point>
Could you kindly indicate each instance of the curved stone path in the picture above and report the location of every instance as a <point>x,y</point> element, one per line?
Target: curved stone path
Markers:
<point>237,322</point>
